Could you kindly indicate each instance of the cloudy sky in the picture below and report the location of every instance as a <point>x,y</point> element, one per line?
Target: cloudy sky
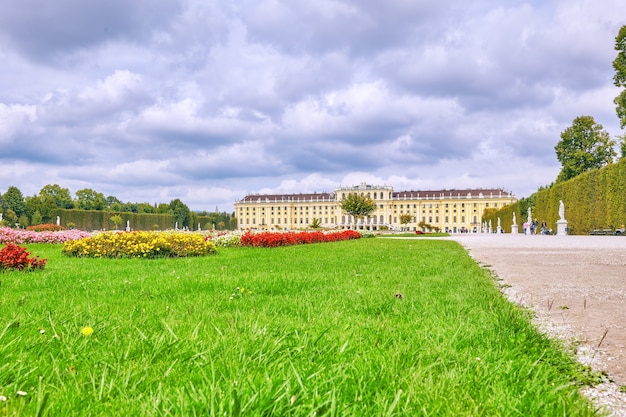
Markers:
<point>209,100</point>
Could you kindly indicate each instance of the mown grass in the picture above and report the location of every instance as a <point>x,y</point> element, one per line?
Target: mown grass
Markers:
<point>374,327</point>
<point>413,234</point>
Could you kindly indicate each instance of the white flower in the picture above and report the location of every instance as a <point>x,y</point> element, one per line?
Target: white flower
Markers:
<point>3,398</point>
<point>22,393</point>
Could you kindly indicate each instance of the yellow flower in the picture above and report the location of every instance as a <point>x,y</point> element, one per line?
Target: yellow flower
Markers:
<point>87,331</point>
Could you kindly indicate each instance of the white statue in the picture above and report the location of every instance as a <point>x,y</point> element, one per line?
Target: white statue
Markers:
<point>514,220</point>
<point>561,210</point>
<point>530,217</point>
<point>58,221</point>
<point>498,222</point>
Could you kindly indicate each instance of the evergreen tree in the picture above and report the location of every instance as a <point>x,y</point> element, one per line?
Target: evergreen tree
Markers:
<point>14,200</point>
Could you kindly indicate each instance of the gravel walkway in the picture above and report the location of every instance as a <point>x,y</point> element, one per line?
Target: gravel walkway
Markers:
<point>577,287</point>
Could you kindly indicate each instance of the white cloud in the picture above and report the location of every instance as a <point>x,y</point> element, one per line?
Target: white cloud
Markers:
<point>208,99</point>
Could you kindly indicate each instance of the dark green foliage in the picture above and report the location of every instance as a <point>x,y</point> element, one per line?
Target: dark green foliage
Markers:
<point>583,146</point>
<point>59,195</point>
<point>182,214</point>
<point>88,199</point>
<point>13,200</point>
<point>619,79</point>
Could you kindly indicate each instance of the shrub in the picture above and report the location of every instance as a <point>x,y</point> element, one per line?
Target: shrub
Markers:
<point>140,245</point>
<point>13,256</point>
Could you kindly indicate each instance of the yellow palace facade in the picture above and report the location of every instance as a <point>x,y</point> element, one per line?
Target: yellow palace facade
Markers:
<point>447,210</point>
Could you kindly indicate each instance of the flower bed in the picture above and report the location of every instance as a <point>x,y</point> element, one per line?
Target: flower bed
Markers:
<point>46,227</point>
<point>13,256</point>
<point>274,239</point>
<point>140,245</point>
<point>8,235</point>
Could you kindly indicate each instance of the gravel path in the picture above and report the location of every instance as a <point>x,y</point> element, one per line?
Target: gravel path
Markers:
<point>577,287</point>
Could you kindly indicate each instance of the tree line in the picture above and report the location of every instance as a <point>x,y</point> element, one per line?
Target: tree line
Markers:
<point>21,211</point>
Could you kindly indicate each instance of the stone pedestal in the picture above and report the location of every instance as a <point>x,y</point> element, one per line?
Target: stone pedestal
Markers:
<point>498,230</point>
<point>514,229</point>
<point>561,228</point>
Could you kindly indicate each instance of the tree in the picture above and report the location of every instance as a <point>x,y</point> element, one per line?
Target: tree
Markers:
<point>619,79</point>
<point>583,146</point>
<point>315,224</point>
<point>622,146</point>
<point>14,200</point>
<point>182,214</point>
<point>43,205</point>
<point>61,196</point>
<point>117,219</point>
<point>88,199</point>
<point>357,205</point>
<point>9,217</point>
<point>36,218</point>
<point>23,221</point>
<point>405,218</point>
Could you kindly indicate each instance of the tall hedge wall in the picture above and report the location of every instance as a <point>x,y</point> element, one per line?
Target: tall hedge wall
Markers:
<point>99,220</point>
<point>593,200</point>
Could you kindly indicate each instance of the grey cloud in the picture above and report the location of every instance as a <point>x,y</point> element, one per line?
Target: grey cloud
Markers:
<point>48,30</point>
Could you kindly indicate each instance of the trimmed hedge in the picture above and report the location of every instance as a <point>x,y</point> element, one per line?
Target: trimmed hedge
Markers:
<point>101,220</point>
<point>593,200</point>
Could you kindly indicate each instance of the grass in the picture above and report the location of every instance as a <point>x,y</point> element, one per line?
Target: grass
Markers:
<point>413,234</point>
<point>374,327</point>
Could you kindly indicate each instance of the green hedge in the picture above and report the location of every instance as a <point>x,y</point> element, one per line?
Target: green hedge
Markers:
<point>593,200</point>
<point>101,220</point>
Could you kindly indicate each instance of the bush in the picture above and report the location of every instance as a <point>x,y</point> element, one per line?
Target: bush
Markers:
<point>140,245</point>
<point>13,256</point>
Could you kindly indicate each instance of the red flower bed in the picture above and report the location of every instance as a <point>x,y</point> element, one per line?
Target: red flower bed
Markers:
<point>272,240</point>
<point>46,227</point>
<point>13,256</point>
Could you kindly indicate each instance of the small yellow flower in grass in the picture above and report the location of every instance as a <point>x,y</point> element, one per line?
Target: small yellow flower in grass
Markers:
<point>87,331</point>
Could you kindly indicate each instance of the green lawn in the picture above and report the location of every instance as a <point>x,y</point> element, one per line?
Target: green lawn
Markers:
<point>372,327</point>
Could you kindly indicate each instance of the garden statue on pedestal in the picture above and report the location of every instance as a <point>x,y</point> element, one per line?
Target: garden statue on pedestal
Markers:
<point>561,224</point>
<point>514,227</point>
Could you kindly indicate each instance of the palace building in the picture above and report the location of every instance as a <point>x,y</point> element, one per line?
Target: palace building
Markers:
<point>446,210</point>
